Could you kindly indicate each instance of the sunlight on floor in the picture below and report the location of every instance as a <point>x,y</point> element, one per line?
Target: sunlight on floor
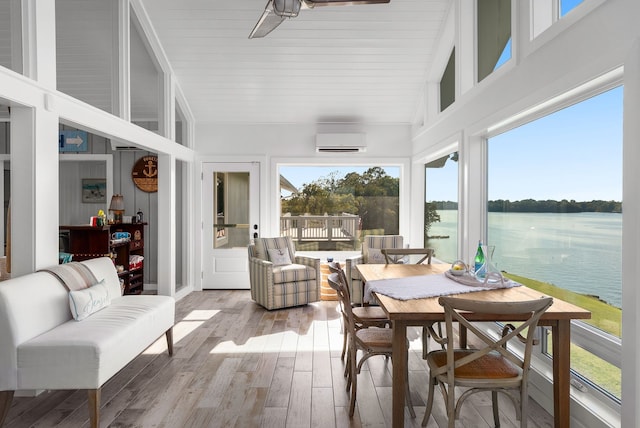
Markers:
<point>190,323</point>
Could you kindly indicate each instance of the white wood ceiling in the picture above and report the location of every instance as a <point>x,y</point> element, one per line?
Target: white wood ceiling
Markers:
<point>363,63</point>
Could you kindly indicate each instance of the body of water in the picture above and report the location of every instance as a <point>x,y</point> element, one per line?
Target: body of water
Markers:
<point>581,252</point>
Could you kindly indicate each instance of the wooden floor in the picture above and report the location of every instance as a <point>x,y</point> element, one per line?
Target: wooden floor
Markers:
<point>238,365</point>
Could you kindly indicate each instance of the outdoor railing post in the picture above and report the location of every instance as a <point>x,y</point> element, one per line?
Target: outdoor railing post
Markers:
<point>310,228</point>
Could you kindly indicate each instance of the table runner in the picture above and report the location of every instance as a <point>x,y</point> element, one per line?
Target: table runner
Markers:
<point>423,286</point>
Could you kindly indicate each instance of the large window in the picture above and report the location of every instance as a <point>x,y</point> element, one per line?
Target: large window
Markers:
<point>331,208</point>
<point>494,35</point>
<point>555,190</point>
<point>448,83</point>
<point>545,13</point>
<point>11,35</point>
<point>567,6</point>
<point>86,52</point>
<point>441,207</point>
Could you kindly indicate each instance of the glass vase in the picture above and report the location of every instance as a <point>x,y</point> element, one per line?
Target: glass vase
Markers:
<point>488,272</point>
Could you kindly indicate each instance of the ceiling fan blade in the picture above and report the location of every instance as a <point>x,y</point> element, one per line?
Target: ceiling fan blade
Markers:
<point>277,10</point>
<point>267,23</point>
<point>314,3</point>
<point>274,13</point>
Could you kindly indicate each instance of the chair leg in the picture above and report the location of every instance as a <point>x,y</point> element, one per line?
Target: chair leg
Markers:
<point>6,397</point>
<point>347,369</point>
<point>94,407</point>
<point>347,374</point>
<point>425,342</point>
<point>412,412</point>
<point>344,340</point>
<point>427,412</point>
<point>451,406</point>
<point>169,335</point>
<point>353,378</point>
<point>408,400</point>
<point>524,406</point>
<point>494,401</point>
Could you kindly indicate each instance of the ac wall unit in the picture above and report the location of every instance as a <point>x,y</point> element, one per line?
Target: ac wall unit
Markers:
<point>340,143</point>
<point>126,149</point>
<point>121,146</point>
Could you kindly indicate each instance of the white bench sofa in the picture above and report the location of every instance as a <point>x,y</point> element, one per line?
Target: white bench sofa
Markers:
<point>43,347</point>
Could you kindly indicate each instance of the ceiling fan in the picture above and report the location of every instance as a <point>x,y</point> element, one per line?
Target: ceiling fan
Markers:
<point>277,10</point>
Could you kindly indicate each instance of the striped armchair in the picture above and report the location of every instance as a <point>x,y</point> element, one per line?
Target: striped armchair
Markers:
<point>371,253</point>
<point>279,278</point>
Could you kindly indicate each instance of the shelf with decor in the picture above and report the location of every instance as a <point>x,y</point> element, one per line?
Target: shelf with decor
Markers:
<point>122,242</point>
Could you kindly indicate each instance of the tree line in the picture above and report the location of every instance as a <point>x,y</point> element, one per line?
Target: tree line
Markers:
<point>372,195</point>
<point>541,206</point>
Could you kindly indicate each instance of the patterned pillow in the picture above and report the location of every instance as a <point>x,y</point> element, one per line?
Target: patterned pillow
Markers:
<point>376,256</point>
<point>88,300</point>
<point>279,256</point>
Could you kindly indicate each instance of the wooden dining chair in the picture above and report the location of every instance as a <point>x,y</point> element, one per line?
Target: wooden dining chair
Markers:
<point>370,341</point>
<point>364,316</point>
<point>493,367</point>
<point>372,246</point>
<point>396,255</point>
<point>391,257</point>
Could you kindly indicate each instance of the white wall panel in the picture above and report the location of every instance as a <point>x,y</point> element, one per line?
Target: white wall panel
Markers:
<point>86,50</point>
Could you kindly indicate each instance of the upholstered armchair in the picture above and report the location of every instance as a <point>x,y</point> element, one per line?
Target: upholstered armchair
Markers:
<point>371,253</point>
<point>279,278</point>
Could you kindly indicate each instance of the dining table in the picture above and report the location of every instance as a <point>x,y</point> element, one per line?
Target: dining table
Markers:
<point>420,311</point>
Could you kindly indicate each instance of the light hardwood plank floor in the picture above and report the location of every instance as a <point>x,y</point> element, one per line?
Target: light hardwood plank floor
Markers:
<point>237,365</point>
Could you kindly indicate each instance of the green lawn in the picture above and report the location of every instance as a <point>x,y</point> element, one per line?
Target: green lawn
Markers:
<point>604,317</point>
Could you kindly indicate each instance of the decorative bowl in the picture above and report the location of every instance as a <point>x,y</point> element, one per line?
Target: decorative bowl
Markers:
<point>458,272</point>
<point>458,268</point>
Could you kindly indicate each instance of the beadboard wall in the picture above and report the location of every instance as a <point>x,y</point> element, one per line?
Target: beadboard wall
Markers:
<point>134,199</point>
<point>73,211</point>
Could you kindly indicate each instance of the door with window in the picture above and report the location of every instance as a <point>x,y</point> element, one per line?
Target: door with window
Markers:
<point>231,207</point>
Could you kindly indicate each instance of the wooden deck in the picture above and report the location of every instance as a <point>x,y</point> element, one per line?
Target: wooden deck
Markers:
<point>322,230</point>
<point>318,234</point>
<point>238,365</point>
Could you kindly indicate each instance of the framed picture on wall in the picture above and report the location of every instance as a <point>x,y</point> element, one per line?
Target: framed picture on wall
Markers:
<point>94,190</point>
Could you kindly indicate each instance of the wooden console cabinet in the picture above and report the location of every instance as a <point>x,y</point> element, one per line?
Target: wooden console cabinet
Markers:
<point>88,242</point>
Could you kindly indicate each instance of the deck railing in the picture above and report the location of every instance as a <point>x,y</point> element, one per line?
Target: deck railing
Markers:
<point>320,227</point>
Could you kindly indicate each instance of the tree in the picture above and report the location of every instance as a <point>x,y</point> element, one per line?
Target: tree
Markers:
<point>372,195</point>
<point>430,216</point>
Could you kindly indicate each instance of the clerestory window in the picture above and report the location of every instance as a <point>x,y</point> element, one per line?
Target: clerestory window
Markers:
<point>494,35</point>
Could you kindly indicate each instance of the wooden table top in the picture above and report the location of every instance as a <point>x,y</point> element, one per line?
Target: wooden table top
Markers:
<point>430,309</point>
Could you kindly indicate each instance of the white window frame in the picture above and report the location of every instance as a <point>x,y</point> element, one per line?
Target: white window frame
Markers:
<point>404,164</point>
<point>599,408</point>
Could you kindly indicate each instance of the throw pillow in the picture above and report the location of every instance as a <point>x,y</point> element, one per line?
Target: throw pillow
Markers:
<point>376,256</point>
<point>88,300</point>
<point>279,257</point>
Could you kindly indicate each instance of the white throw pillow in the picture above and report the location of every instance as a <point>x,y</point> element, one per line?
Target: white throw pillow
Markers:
<point>89,300</point>
<point>376,256</point>
<point>279,256</point>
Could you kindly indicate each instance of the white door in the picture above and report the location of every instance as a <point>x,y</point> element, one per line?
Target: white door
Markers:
<point>231,209</point>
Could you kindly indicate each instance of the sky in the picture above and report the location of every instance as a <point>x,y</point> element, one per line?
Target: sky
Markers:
<point>575,153</point>
<point>567,5</point>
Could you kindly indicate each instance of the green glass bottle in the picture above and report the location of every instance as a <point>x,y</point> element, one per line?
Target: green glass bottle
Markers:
<point>479,260</point>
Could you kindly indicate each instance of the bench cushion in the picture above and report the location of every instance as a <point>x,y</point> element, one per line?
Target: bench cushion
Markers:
<point>84,355</point>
